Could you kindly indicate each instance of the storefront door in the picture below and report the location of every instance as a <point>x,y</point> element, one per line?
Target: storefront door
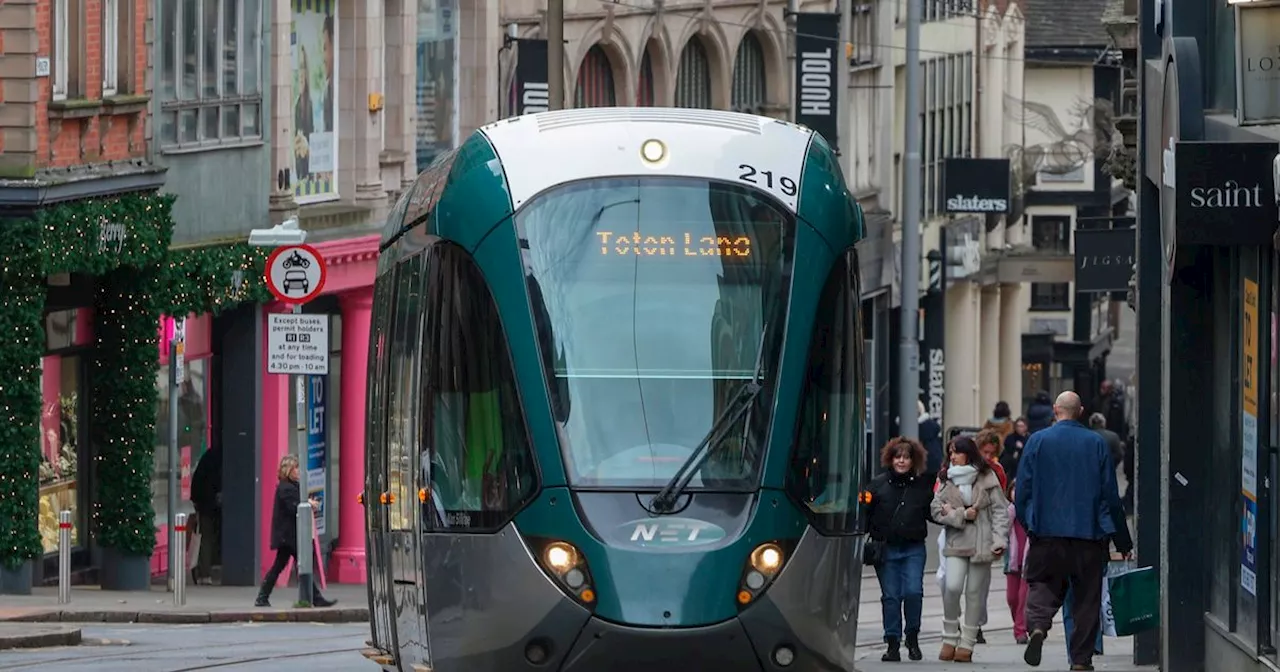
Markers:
<point>64,455</point>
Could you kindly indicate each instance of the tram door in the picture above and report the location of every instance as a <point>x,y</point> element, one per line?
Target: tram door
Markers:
<point>375,509</point>
<point>408,605</point>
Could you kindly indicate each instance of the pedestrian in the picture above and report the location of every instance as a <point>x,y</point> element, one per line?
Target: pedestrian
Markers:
<point>1001,420</point>
<point>1098,423</point>
<point>284,532</point>
<point>1039,413</point>
<point>1068,503</point>
<point>1015,583</point>
<point>898,514</point>
<point>989,444</point>
<point>1013,445</point>
<point>973,507</point>
<point>206,497</point>
<point>930,437</point>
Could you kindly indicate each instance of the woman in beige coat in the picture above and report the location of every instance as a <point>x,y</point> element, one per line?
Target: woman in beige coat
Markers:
<point>974,511</point>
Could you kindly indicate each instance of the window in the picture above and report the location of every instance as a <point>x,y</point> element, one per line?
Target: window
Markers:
<point>826,470</point>
<point>1050,296</point>
<point>116,43</point>
<point>945,122</point>
<point>68,54</point>
<point>210,72</point>
<point>941,10</point>
<point>657,301</point>
<point>595,80</point>
<point>864,33</point>
<point>1051,234</point>
<point>644,90</point>
<point>62,426</point>
<point>693,78</point>
<point>749,76</point>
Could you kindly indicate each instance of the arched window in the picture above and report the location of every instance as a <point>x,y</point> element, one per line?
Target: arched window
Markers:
<point>644,91</point>
<point>693,79</point>
<point>748,76</point>
<point>595,81</point>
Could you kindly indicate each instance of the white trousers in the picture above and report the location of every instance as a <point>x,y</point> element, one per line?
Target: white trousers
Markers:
<point>970,581</point>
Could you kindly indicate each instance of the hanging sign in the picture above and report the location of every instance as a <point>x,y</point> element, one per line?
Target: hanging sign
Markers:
<point>532,89</point>
<point>817,59</point>
<point>1104,259</point>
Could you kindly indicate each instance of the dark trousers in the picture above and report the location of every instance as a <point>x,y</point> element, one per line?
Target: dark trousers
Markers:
<point>1053,565</point>
<point>283,555</point>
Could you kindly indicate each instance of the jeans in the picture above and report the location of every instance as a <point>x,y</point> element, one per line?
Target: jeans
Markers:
<point>970,581</point>
<point>1069,624</point>
<point>901,576</point>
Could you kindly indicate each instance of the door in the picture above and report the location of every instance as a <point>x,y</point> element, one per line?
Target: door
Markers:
<point>375,511</point>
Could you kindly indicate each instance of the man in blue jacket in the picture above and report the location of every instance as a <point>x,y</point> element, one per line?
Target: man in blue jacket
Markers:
<point>1068,502</point>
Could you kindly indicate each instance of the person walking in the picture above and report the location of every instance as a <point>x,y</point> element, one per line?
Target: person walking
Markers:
<point>1015,584</point>
<point>1001,420</point>
<point>930,437</point>
<point>1069,505</point>
<point>898,515</point>
<point>284,533</point>
<point>1098,423</point>
<point>1039,413</point>
<point>973,507</point>
<point>1013,445</point>
<point>206,497</point>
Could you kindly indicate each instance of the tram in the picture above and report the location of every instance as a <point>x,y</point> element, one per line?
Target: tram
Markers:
<point>616,401</point>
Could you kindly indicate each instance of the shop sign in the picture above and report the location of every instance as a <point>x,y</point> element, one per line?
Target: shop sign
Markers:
<point>1104,259</point>
<point>533,93</point>
<point>111,236</point>
<point>975,185</point>
<point>1225,192</point>
<point>817,62</point>
<point>1249,367</point>
<point>1257,63</point>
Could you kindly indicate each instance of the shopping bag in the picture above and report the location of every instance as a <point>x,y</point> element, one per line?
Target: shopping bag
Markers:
<point>1131,601</point>
<point>319,557</point>
<point>942,562</point>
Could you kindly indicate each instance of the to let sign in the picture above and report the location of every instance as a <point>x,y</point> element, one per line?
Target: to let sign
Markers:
<point>298,343</point>
<point>1104,259</point>
<point>1225,193</point>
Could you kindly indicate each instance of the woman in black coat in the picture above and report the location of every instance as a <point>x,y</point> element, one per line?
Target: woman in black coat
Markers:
<point>897,517</point>
<point>284,533</point>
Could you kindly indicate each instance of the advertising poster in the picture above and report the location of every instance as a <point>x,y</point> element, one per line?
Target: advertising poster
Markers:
<point>317,456</point>
<point>436,79</point>
<point>313,42</point>
<point>1249,437</point>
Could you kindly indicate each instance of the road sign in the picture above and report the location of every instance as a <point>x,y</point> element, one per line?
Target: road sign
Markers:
<point>295,273</point>
<point>298,343</point>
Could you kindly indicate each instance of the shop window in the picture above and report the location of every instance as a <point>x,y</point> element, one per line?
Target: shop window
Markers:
<point>1051,234</point>
<point>193,413</point>
<point>476,462</point>
<point>61,428</point>
<point>826,470</point>
<point>1033,381</point>
<point>1050,296</point>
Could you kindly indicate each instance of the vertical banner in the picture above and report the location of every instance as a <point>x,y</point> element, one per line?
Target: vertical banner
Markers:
<point>313,42</point>
<point>436,83</point>
<point>531,87</point>
<point>933,338</point>
<point>1249,438</point>
<point>316,448</point>
<point>817,55</point>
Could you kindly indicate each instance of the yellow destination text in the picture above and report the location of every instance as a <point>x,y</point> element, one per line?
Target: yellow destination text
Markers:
<point>680,245</point>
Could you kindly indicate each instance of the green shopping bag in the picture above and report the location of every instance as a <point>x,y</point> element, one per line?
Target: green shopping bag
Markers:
<point>1135,600</point>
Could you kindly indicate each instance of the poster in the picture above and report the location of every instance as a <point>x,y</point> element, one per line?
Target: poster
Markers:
<point>436,80</point>
<point>317,456</point>
<point>1249,439</point>
<point>313,43</point>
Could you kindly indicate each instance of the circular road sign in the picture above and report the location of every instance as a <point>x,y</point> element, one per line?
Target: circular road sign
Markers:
<point>295,273</point>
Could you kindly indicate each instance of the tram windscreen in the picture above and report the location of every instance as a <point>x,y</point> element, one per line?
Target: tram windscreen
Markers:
<point>651,298</point>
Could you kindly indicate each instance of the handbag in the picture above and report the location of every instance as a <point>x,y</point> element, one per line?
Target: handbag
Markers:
<point>872,552</point>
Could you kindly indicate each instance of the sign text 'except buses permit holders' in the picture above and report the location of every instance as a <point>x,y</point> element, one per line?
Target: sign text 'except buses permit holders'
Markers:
<point>298,344</point>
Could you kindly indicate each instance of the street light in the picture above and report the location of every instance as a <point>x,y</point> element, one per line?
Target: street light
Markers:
<point>284,233</point>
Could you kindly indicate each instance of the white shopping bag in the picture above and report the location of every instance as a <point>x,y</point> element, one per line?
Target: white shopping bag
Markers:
<point>193,544</point>
<point>942,561</point>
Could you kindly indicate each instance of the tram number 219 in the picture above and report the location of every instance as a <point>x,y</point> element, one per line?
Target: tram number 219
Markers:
<point>752,175</point>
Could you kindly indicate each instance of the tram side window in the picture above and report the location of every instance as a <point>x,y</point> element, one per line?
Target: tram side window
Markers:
<point>478,463</point>
<point>826,466</point>
<point>403,381</point>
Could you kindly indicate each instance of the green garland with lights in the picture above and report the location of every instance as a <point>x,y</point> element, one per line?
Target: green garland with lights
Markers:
<point>124,242</point>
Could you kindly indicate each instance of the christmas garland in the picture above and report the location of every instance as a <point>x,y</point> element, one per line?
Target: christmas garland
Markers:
<point>124,242</point>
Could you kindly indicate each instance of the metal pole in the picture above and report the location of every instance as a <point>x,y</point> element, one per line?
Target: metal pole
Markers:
<point>172,506</point>
<point>843,152</point>
<point>908,383</point>
<point>179,555</point>
<point>303,559</point>
<point>555,54</point>
<point>64,557</point>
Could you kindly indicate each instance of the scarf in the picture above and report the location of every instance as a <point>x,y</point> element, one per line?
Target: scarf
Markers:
<point>964,477</point>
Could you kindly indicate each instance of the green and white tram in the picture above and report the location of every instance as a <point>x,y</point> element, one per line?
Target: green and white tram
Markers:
<point>616,400</point>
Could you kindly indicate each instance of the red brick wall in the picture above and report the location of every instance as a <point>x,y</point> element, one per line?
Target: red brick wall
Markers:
<point>103,136</point>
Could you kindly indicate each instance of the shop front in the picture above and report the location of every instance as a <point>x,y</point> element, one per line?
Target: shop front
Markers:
<point>335,412</point>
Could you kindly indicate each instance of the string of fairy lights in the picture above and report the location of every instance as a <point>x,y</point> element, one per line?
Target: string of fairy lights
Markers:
<point>124,241</point>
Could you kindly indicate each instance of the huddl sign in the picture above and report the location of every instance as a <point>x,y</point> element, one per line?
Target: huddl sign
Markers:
<point>975,185</point>
<point>1225,192</point>
<point>1257,63</point>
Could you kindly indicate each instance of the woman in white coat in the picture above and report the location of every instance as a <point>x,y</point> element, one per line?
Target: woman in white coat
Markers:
<point>974,511</point>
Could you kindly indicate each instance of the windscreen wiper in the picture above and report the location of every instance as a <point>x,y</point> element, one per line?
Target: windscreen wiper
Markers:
<point>744,398</point>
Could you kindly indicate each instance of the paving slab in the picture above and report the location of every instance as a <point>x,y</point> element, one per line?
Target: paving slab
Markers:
<point>37,635</point>
<point>204,604</point>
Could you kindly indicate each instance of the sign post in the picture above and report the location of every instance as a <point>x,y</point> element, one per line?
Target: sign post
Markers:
<point>297,345</point>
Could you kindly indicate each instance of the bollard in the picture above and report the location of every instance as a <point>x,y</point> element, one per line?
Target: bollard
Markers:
<point>303,558</point>
<point>64,557</point>
<point>179,559</point>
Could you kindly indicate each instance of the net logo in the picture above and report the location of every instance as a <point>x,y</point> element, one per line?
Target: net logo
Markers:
<point>672,532</point>
<point>977,204</point>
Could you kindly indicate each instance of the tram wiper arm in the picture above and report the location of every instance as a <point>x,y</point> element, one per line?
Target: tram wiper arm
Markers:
<point>742,401</point>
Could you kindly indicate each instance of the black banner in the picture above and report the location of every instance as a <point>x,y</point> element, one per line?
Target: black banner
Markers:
<point>933,336</point>
<point>1104,259</point>
<point>976,185</point>
<point>817,56</point>
<point>1225,192</point>
<point>531,77</point>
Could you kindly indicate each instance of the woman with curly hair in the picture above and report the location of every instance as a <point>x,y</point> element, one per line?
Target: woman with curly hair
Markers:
<point>897,503</point>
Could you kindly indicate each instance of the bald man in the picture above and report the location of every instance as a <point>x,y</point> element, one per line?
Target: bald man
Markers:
<point>1068,502</point>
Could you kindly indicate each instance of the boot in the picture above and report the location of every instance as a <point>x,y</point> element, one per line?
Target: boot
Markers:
<point>318,600</point>
<point>264,596</point>
<point>913,646</point>
<point>948,653</point>
<point>950,635</point>
<point>980,639</point>
<point>963,655</point>
<point>891,655</point>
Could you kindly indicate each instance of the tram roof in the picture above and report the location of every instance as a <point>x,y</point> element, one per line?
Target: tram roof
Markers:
<point>542,150</point>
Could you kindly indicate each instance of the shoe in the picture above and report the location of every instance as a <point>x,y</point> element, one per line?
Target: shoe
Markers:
<point>262,601</point>
<point>891,655</point>
<point>319,601</point>
<point>980,639</point>
<point>913,647</point>
<point>948,653</point>
<point>1035,644</point>
<point>1021,640</point>
<point>964,656</point>
<point>1084,667</point>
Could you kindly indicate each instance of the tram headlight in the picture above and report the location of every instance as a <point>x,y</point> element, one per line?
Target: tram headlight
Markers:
<point>762,567</point>
<point>567,566</point>
<point>560,557</point>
